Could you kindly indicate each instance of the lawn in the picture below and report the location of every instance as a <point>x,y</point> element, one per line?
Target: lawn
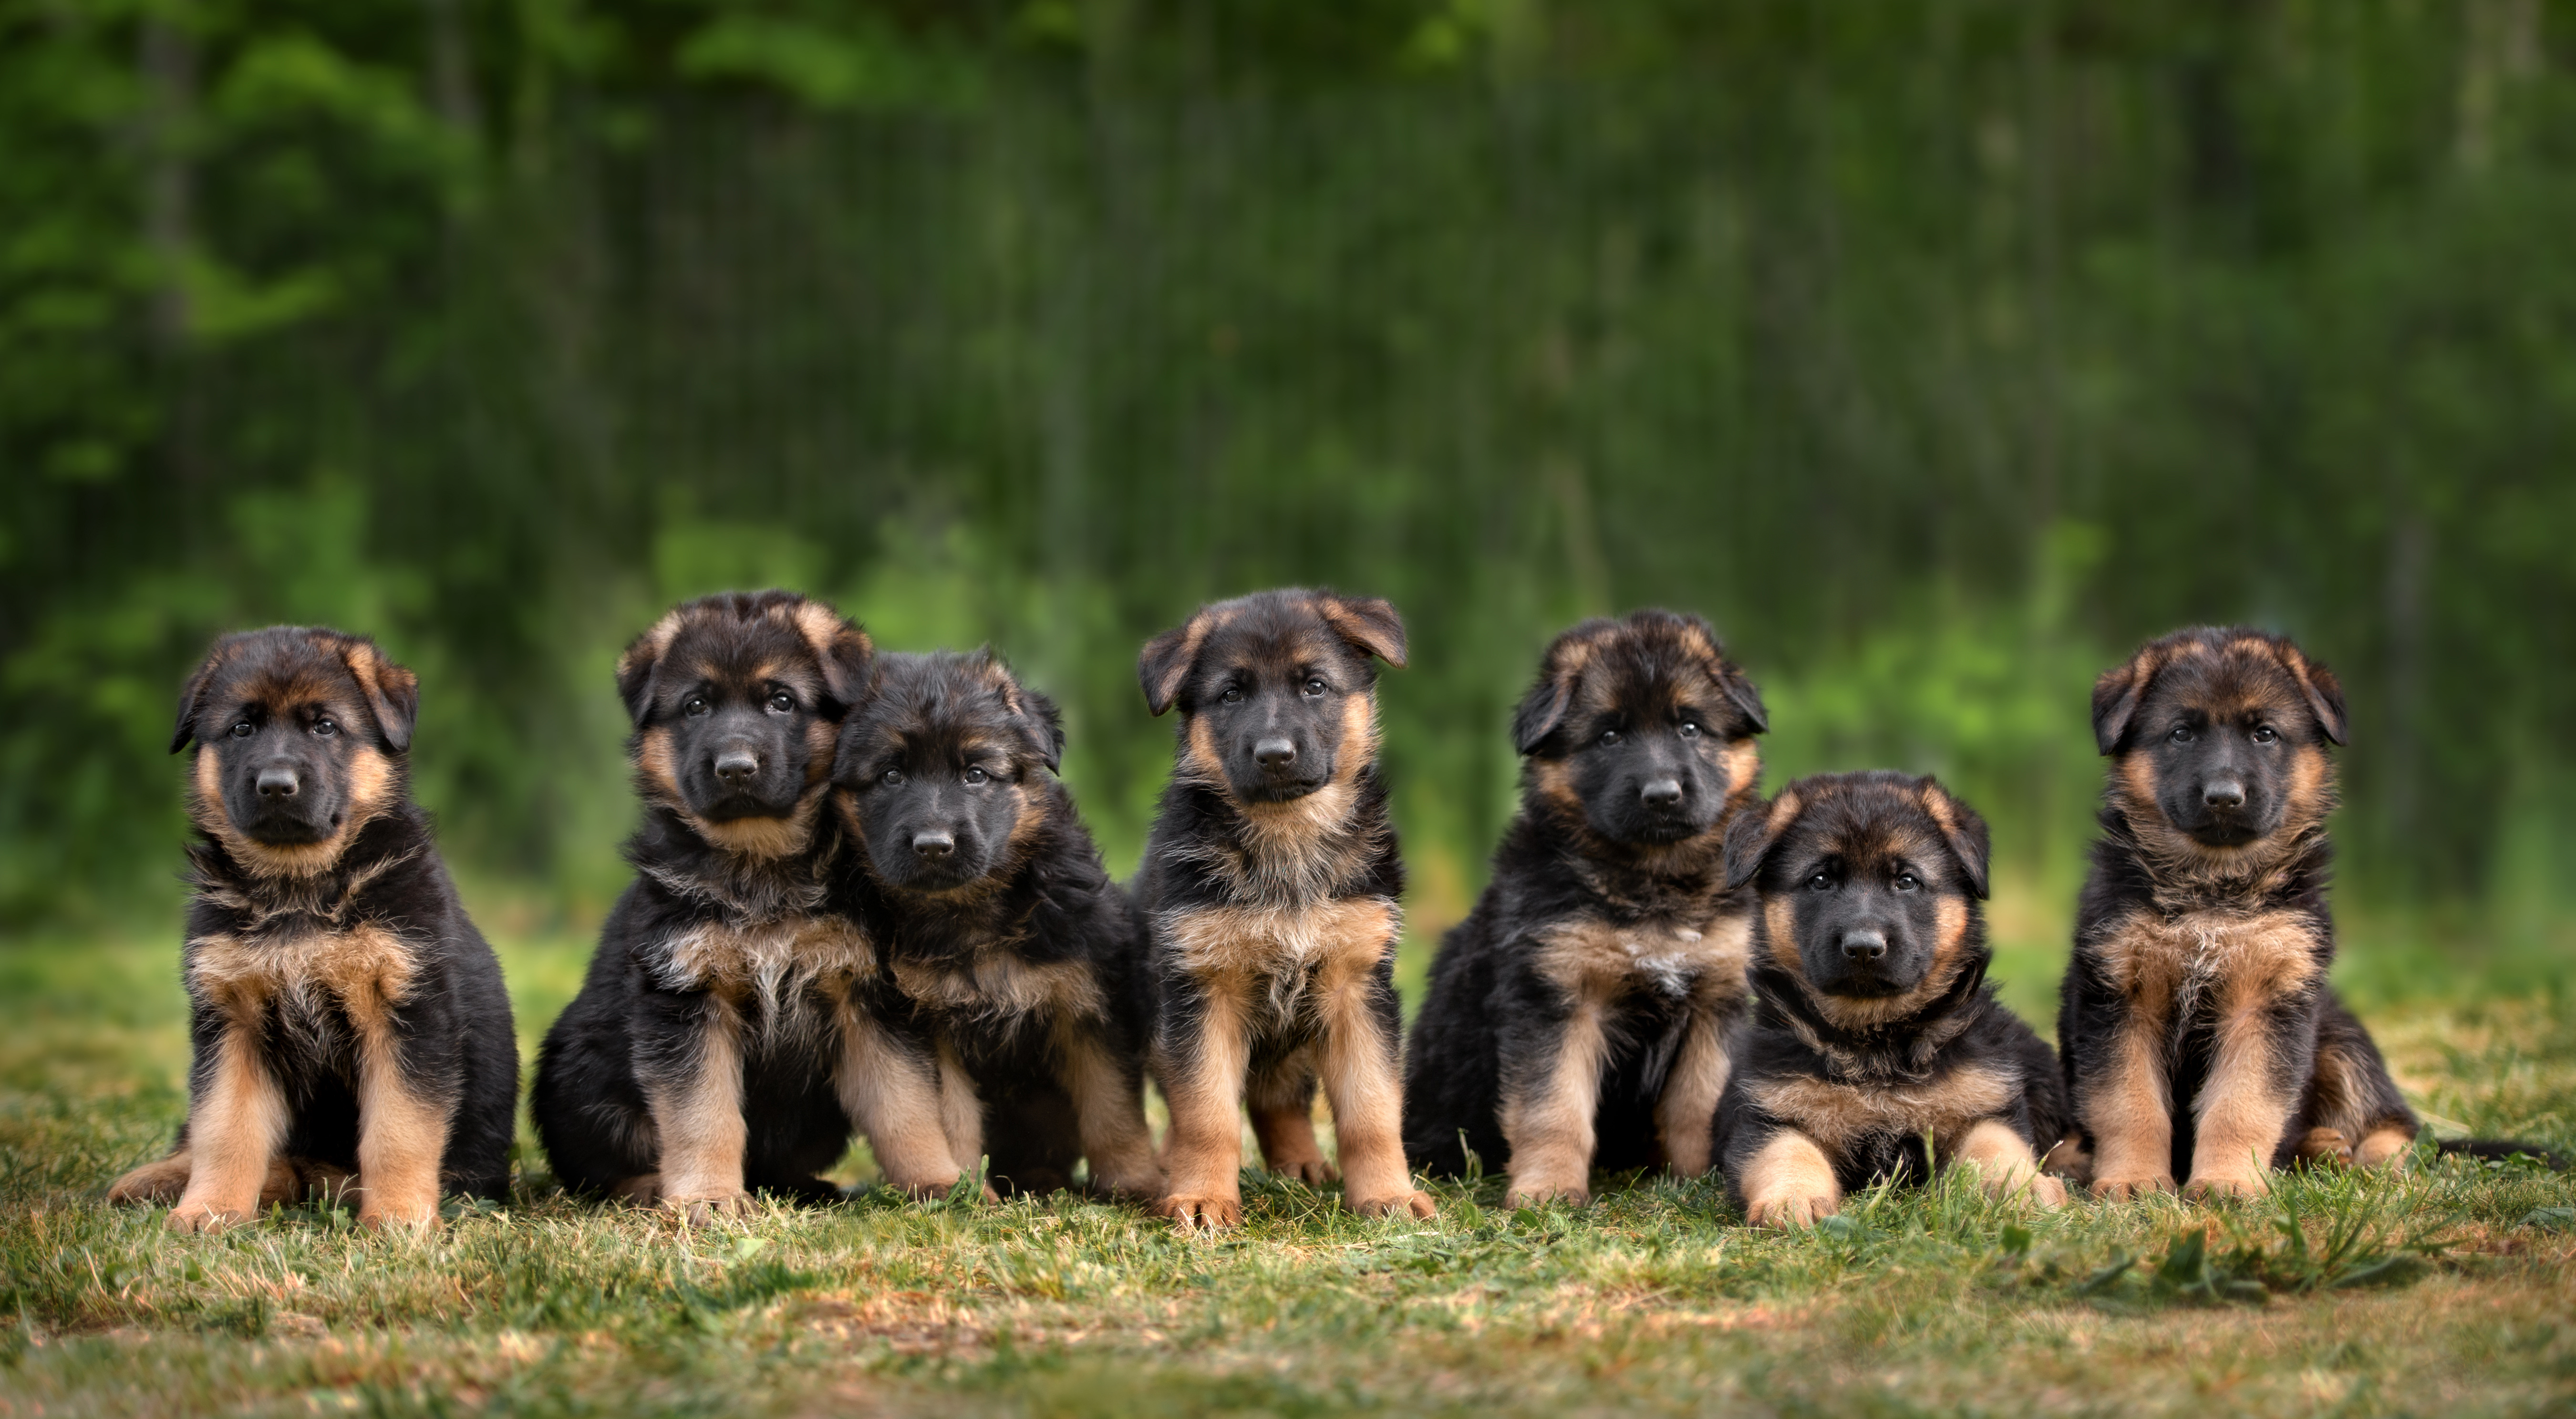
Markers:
<point>2446,1290</point>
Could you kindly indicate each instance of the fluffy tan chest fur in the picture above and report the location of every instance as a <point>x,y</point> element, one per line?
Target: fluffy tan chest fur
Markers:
<point>1680,959</point>
<point>767,960</point>
<point>2159,961</point>
<point>1840,1116</point>
<point>1283,940</point>
<point>998,984</point>
<point>363,969</point>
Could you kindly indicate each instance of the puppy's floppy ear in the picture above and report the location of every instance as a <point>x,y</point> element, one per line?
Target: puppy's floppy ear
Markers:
<point>1040,723</point>
<point>2323,690</point>
<point>841,648</point>
<point>1750,838</point>
<point>1368,622</point>
<point>1746,697</point>
<point>192,697</point>
<point>1702,637</point>
<point>2116,697</point>
<point>393,692</point>
<point>1165,664</point>
<point>1961,828</point>
<point>1560,673</point>
<point>642,656</point>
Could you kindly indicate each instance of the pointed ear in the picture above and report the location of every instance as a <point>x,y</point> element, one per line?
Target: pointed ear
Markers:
<point>1369,622</point>
<point>393,692</point>
<point>2116,697</point>
<point>1962,829</point>
<point>2324,691</point>
<point>192,698</point>
<point>1750,838</point>
<point>841,649</point>
<point>1165,664</point>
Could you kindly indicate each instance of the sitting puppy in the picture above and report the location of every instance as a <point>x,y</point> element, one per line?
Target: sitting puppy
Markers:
<point>1269,890</point>
<point>988,901</point>
<point>344,1014</point>
<point>734,1024</point>
<point>1873,1026</point>
<point>2202,1041</point>
<point>1580,1016</point>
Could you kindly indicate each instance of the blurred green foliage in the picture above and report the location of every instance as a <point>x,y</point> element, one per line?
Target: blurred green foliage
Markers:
<point>1939,350</point>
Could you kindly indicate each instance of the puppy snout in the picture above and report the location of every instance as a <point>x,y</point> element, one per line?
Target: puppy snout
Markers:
<point>1660,793</point>
<point>2223,793</point>
<point>1865,944</point>
<point>737,766</point>
<point>1274,753</point>
<point>933,846</point>
<point>278,783</point>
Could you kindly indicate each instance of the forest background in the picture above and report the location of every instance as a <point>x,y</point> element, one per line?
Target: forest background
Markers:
<point>1937,350</point>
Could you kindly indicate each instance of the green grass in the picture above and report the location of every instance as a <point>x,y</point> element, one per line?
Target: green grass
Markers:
<point>2445,1290</point>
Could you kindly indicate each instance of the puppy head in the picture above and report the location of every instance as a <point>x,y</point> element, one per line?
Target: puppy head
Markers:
<point>301,734</point>
<point>943,768</point>
<point>1277,691</point>
<point>2220,736</point>
<point>1869,883</point>
<point>736,698</point>
<point>1642,727</point>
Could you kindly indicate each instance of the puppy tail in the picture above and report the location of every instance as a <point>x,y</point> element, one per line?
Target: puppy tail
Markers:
<point>2501,1149</point>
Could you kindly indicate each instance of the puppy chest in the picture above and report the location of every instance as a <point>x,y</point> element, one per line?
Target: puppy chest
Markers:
<point>766,959</point>
<point>1850,1117</point>
<point>362,972</point>
<point>1282,941</point>
<point>2210,960</point>
<point>1001,986</point>
<point>1595,959</point>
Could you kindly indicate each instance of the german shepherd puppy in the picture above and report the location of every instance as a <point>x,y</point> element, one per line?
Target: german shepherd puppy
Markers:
<point>735,1024</point>
<point>344,1016</point>
<point>1873,1027</point>
<point>2202,1041</point>
<point>1269,890</point>
<point>1580,1016</point>
<point>998,922</point>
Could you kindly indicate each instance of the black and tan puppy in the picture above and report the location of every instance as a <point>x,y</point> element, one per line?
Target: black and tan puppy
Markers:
<point>2201,1039</point>
<point>1269,890</point>
<point>1580,1016</point>
<point>989,902</point>
<point>344,1014</point>
<point>1873,1026</point>
<point>735,1023</point>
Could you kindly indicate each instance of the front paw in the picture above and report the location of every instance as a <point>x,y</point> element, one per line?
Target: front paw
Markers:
<point>2131,1188</point>
<point>192,1218</point>
<point>1208,1212</point>
<point>1541,1194</point>
<point>708,1208</point>
<point>1401,1204</point>
<point>2213,1189</point>
<point>410,1217</point>
<point>1787,1212</point>
<point>1313,1172</point>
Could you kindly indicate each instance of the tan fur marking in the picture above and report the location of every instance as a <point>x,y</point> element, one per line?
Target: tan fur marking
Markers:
<point>1550,1127</point>
<point>370,780</point>
<point>895,1100</point>
<point>2323,1145</point>
<point>1780,939</point>
<point>2384,1146</point>
<point>1789,1182</point>
<point>1276,941</point>
<point>1686,1113</point>
<point>234,1128</point>
<point>1109,1115</point>
<point>1356,1058</point>
<point>1743,763</point>
<point>1002,984</point>
<point>769,962</point>
<point>1203,1151</point>
<point>1784,811</point>
<point>700,1122</point>
<point>653,644</point>
<point>161,1180</point>
<point>1281,1101</point>
<point>2004,1164</point>
<point>961,1113</point>
<point>402,1132</point>
<point>1840,1116</point>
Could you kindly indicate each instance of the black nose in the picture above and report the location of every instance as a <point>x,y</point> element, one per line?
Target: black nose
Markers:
<point>736,766</point>
<point>277,783</point>
<point>2223,793</point>
<point>1661,793</point>
<point>1274,753</point>
<point>1866,944</point>
<point>933,846</point>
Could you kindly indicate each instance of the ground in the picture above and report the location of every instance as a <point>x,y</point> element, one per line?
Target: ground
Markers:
<point>2446,1290</point>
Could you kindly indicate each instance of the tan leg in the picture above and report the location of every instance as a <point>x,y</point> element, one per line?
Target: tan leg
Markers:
<point>1550,1126</point>
<point>234,1130</point>
<point>2384,1147</point>
<point>1109,1114</point>
<point>1686,1114</point>
<point>161,1180</point>
<point>1789,1182</point>
<point>1358,1066</point>
<point>2324,1145</point>
<point>2005,1165</point>
<point>402,1131</point>
<point>699,1121</point>
<point>2242,1114</point>
<point>2126,1111</point>
<point>895,1099</point>
<point>961,1113</point>
<point>1282,1104</point>
<point>1203,1154</point>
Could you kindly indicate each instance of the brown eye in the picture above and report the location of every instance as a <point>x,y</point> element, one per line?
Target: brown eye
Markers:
<point>694,706</point>
<point>890,777</point>
<point>783,702</point>
<point>244,730</point>
<point>1609,737</point>
<point>2182,734</point>
<point>325,728</point>
<point>1821,882</point>
<point>2264,734</point>
<point>1689,730</point>
<point>974,775</point>
<point>1907,881</point>
<point>1315,685</point>
<point>1233,695</point>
